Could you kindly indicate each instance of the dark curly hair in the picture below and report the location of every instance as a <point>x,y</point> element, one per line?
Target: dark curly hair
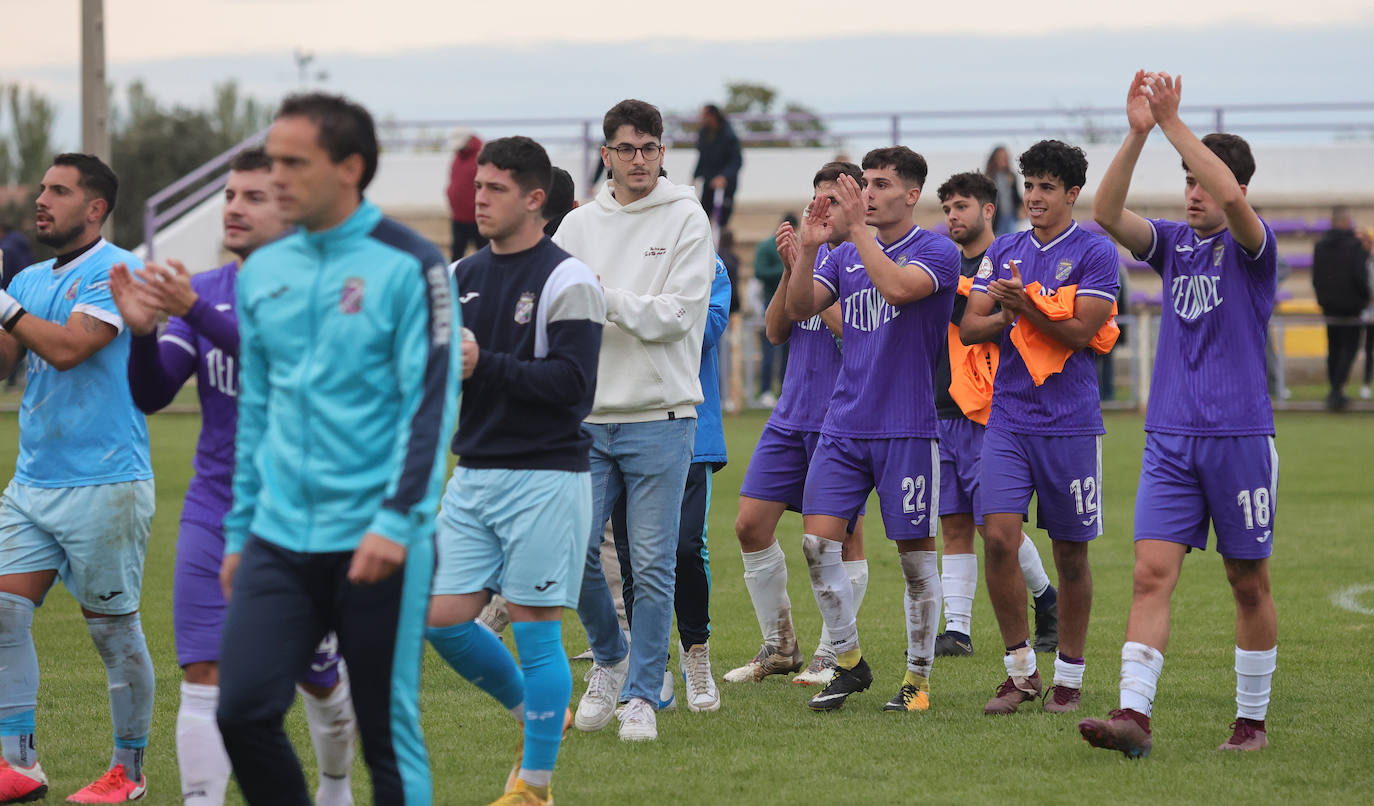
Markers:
<point>974,185</point>
<point>1057,159</point>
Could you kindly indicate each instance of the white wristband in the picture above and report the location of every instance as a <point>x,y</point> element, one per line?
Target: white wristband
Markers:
<point>9,306</point>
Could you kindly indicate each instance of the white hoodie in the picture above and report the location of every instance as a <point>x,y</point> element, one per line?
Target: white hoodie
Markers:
<point>656,261</point>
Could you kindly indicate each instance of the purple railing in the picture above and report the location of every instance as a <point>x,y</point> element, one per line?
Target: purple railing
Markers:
<point>217,171</point>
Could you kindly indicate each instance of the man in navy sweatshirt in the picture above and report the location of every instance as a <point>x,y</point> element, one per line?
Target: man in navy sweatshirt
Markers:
<point>515,513</point>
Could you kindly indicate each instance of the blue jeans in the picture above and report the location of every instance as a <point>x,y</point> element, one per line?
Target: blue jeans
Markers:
<point>647,462</point>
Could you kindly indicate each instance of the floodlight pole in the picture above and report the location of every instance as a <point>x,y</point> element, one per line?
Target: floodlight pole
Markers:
<point>95,100</point>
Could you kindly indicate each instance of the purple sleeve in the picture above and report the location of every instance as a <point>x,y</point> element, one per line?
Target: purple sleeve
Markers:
<point>940,259</point>
<point>987,271</point>
<point>160,366</point>
<point>219,327</point>
<point>828,272</point>
<point>1162,236</point>
<point>1101,276</point>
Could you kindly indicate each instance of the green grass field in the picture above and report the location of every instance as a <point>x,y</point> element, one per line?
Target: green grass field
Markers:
<point>764,746</point>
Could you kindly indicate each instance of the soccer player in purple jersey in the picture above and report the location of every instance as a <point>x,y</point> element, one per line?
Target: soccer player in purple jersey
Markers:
<point>896,294</point>
<point>201,338</point>
<point>969,202</point>
<point>1209,442</point>
<point>1043,438</point>
<point>776,476</point>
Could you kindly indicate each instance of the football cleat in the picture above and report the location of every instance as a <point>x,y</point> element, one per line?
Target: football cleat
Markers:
<point>910,698</point>
<point>1246,734</point>
<point>843,682</point>
<point>112,787</point>
<point>22,784</point>
<point>1062,699</point>
<point>767,662</point>
<point>818,672</point>
<point>1123,729</point>
<point>1012,693</point>
<point>953,645</point>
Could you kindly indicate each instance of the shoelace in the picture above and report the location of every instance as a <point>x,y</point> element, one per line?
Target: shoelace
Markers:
<point>112,781</point>
<point>1242,730</point>
<point>634,711</point>
<point>698,673</point>
<point>598,678</point>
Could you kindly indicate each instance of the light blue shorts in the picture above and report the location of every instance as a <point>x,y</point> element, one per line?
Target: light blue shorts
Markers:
<point>94,537</point>
<point>519,533</point>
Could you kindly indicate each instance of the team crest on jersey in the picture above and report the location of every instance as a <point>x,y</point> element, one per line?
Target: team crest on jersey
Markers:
<point>524,307</point>
<point>901,261</point>
<point>985,269</point>
<point>1062,271</point>
<point>1218,252</point>
<point>71,292</point>
<point>351,298</point>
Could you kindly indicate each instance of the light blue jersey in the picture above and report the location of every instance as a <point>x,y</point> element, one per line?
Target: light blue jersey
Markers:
<point>79,427</point>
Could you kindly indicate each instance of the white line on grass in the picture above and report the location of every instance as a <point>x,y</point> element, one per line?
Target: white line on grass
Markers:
<point>1349,599</point>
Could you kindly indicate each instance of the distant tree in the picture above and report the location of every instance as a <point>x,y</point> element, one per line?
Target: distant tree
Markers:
<point>153,146</point>
<point>750,99</point>
<point>31,120</point>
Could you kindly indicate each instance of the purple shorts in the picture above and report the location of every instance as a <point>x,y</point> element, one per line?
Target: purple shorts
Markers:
<point>1064,473</point>
<point>1233,481</point>
<point>777,468</point>
<point>904,470</point>
<point>198,605</point>
<point>961,463</point>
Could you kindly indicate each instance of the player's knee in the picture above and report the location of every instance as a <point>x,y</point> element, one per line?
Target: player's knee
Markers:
<point>1071,561</point>
<point>1150,579</point>
<point>753,534</point>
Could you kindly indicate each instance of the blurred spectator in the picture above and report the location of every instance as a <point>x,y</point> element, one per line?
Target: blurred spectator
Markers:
<point>462,197</point>
<point>727,254</point>
<point>768,270</point>
<point>1277,387</point>
<point>1008,218</point>
<point>1340,276</point>
<point>14,245</point>
<point>1367,239</point>
<point>718,163</point>
<point>560,200</point>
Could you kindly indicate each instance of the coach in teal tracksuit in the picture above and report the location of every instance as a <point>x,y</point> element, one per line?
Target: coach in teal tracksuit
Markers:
<point>348,391</point>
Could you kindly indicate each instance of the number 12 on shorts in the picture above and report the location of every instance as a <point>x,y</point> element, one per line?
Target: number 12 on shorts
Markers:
<point>1084,494</point>
<point>1254,504</point>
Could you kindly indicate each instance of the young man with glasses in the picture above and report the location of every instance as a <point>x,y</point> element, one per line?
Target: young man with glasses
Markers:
<point>649,242</point>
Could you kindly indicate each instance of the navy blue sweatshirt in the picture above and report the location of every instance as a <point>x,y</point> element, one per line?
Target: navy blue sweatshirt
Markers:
<point>537,317</point>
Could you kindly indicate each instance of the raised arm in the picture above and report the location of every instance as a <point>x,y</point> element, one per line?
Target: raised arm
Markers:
<point>899,285</point>
<point>1207,168</point>
<point>777,326</point>
<point>807,296</point>
<point>1109,205</point>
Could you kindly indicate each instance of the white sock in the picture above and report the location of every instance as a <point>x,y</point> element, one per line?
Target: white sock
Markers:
<point>1068,675</point>
<point>765,577</point>
<point>1020,663</point>
<point>332,731</point>
<point>1031,567</point>
<point>1140,669</point>
<point>857,571</point>
<point>833,590</point>
<point>201,759</point>
<point>959,580</point>
<point>921,571</point>
<point>1254,674</point>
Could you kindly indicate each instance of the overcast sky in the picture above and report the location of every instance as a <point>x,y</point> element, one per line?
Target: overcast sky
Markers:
<point>45,33</point>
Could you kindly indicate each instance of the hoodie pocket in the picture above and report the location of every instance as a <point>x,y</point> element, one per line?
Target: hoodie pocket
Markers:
<point>631,375</point>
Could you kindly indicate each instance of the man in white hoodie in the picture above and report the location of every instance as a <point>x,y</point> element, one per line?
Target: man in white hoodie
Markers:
<point>650,243</point>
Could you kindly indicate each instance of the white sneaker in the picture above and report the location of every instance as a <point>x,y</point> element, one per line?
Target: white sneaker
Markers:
<point>1366,392</point>
<point>598,703</point>
<point>768,400</point>
<point>667,696</point>
<point>702,694</point>
<point>586,654</point>
<point>496,615</point>
<point>818,672</point>
<point>637,721</point>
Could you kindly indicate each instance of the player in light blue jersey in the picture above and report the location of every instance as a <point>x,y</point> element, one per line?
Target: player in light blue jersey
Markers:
<point>81,500</point>
<point>1209,442</point>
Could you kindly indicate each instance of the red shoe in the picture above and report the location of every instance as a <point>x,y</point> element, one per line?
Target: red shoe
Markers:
<point>1012,693</point>
<point>22,784</point>
<point>112,787</point>
<point>1124,730</point>
<point>1246,734</point>
<point>1062,699</point>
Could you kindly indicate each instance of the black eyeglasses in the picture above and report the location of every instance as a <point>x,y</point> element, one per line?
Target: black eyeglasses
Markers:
<point>627,151</point>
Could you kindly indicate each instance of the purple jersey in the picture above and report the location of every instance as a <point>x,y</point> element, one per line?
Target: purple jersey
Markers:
<point>813,362</point>
<point>886,385</point>
<point>1068,402</point>
<point>206,341</point>
<point>1209,366</point>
